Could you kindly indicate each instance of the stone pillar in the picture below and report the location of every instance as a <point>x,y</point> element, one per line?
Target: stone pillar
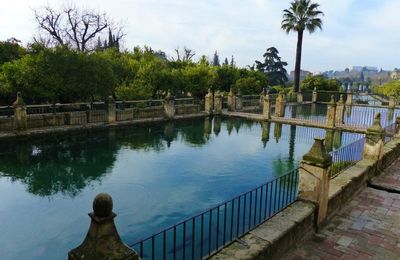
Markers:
<point>397,128</point>
<point>314,177</point>
<point>169,106</point>
<point>231,101</point>
<point>299,97</point>
<point>373,147</point>
<point>339,117</point>
<point>102,240</point>
<point>349,100</point>
<point>392,102</point>
<point>208,103</point>
<point>20,115</point>
<point>331,113</point>
<point>280,105</point>
<point>314,96</point>
<point>238,101</point>
<point>266,107</point>
<point>110,110</point>
<point>218,103</point>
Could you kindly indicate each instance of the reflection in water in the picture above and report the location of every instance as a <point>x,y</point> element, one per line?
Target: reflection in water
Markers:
<point>159,174</point>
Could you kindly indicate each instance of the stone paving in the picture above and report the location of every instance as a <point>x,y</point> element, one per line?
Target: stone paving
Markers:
<point>367,228</point>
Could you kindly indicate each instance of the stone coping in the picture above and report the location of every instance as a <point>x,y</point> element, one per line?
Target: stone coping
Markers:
<point>294,224</point>
<point>89,126</point>
<point>288,226</point>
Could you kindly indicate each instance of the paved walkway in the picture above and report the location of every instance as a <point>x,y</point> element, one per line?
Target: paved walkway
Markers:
<point>367,228</point>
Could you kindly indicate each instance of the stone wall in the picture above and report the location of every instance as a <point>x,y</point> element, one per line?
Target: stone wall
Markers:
<point>187,109</point>
<point>7,123</point>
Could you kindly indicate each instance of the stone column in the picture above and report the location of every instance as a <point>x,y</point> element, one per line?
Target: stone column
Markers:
<point>231,101</point>
<point>208,103</point>
<point>314,95</point>
<point>261,100</point>
<point>238,101</point>
<point>102,240</point>
<point>299,97</point>
<point>339,117</point>
<point>349,100</point>
<point>373,147</point>
<point>20,115</point>
<point>392,102</point>
<point>267,107</point>
<point>397,128</point>
<point>111,112</point>
<point>280,105</point>
<point>169,106</point>
<point>218,103</point>
<point>314,177</point>
<point>331,113</point>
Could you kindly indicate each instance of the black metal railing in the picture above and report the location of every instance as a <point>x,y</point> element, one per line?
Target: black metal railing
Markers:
<point>346,156</point>
<point>122,105</point>
<point>205,233</point>
<point>307,112</point>
<point>251,100</point>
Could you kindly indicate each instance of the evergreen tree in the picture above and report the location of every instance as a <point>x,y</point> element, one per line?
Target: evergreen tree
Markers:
<point>273,67</point>
<point>232,61</point>
<point>226,62</point>
<point>216,59</point>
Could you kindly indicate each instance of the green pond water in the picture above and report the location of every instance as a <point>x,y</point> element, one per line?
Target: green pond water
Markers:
<point>157,175</point>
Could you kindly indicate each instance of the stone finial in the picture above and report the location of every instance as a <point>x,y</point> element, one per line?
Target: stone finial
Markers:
<point>218,94</point>
<point>169,95</point>
<point>102,240</point>
<point>209,94</point>
<point>230,92</point>
<point>19,101</point>
<point>341,101</point>
<point>315,89</point>
<point>318,155</point>
<point>332,101</point>
<point>376,126</point>
<point>110,99</point>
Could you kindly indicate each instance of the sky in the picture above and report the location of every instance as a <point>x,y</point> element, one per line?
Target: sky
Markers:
<point>355,32</point>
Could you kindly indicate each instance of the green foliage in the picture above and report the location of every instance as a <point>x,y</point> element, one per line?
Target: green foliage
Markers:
<point>391,88</point>
<point>47,75</point>
<point>273,67</point>
<point>10,51</point>
<point>320,83</point>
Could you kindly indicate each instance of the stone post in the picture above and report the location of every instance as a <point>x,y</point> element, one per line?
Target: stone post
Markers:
<point>331,113</point>
<point>267,107</point>
<point>20,115</point>
<point>280,105</point>
<point>111,112</point>
<point>349,100</point>
<point>169,106</point>
<point>261,100</point>
<point>392,102</point>
<point>102,240</point>
<point>339,117</point>
<point>373,147</point>
<point>231,101</point>
<point>238,101</point>
<point>314,96</point>
<point>208,103</point>
<point>218,103</point>
<point>299,97</point>
<point>397,128</point>
<point>314,177</point>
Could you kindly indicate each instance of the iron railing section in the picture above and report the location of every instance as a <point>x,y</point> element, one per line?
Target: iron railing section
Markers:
<point>251,100</point>
<point>307,96</point>
<point>306,112</point>
<point>6,111</point>
<point>325,96</point>
<point>364,116</point>
<point>390,131</point>
<point>184,101</point>
<point>201,235</point>
<point>121,105</point>
<point>346,156</point>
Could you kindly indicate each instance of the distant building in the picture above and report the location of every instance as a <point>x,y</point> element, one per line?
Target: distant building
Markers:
<point>364,68</point>
<point>303,74</point>
<point>395,74</point>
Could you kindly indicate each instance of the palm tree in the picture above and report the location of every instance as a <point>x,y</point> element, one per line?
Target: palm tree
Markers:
<point>302,15</point>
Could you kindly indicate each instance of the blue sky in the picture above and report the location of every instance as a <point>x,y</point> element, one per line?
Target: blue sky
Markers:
<point>356,32</point>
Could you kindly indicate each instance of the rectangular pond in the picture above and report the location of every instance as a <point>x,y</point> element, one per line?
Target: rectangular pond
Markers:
<point>157,174</point>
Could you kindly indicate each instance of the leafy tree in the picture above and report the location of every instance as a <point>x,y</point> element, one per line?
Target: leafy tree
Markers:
<point>301,15</point>
<point>273,67</point>
<point>216,59</point>
<point>320,83</point>
<point>10,50</point>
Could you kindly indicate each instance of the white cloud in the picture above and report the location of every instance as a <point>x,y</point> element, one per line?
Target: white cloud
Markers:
<point>360,32</point>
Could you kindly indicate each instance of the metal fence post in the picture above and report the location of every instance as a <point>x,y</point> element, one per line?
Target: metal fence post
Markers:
<point>102,240</point>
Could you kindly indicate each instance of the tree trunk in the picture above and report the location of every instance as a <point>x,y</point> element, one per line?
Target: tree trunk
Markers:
<point>298,61</point>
